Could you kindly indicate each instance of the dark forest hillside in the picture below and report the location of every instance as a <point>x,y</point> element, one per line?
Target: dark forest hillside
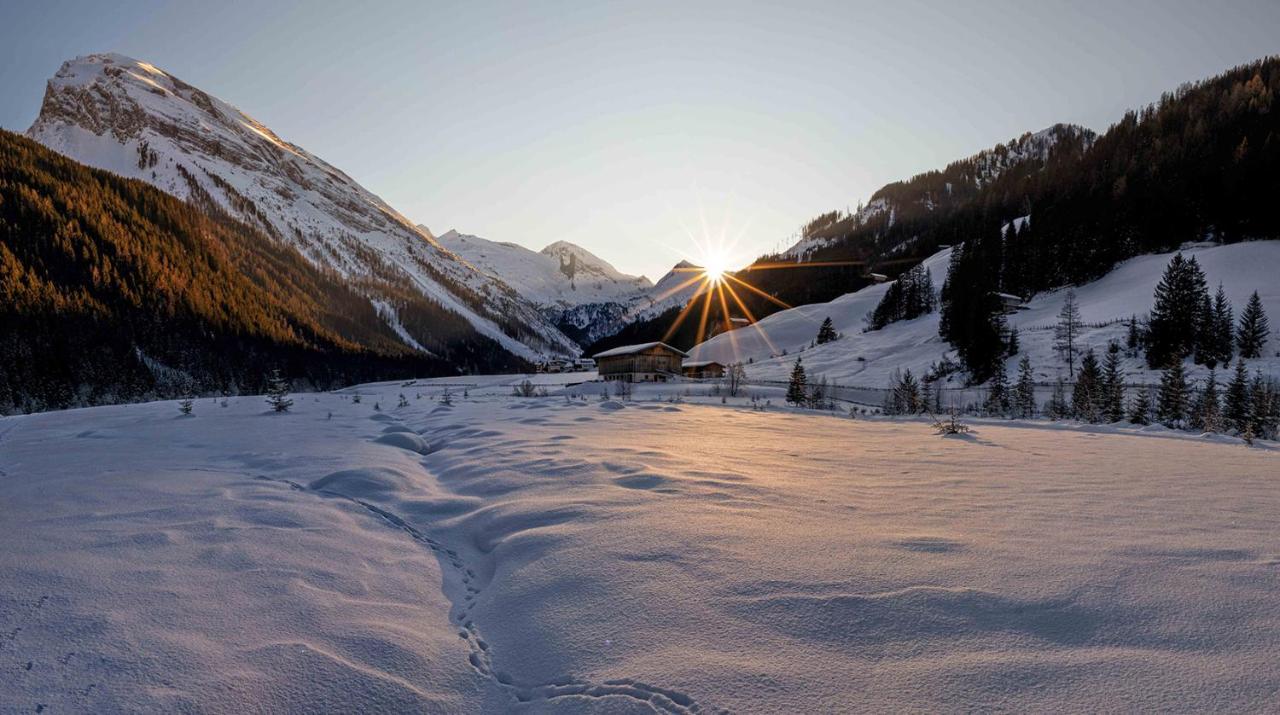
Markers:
<point>111,290</point>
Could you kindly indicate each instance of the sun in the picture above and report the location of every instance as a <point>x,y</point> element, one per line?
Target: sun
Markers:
<point>713,270</point>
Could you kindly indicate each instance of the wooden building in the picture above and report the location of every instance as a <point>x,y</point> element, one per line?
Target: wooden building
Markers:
<point>646,362</point>
<point>703,369</point>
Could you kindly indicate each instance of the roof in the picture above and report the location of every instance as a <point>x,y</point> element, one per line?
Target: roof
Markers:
<point>702,363</point>
<point>1009,297</point>
<point>632,349</point>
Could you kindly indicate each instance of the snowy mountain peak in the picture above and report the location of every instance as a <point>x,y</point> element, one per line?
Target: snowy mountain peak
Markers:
<point>131,117</point>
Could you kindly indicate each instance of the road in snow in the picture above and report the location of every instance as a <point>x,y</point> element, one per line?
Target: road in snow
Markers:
<point>537,554</point>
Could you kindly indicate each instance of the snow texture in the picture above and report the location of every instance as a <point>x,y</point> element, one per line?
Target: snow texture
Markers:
<point>868,359</point>
<point>564,555</point>
<point>126,116</point>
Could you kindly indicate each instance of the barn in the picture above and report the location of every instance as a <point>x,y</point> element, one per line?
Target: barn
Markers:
<point>703,369</point>
<point>646,362</point>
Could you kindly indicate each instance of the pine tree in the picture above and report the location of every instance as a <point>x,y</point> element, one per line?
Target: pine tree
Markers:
<point>1088,389</point>
<point>1067,332</point>
<point>1237,412</point>
<point>1223,328</point>
<point>1057,407</point>
<point>1140,411</point>
<point>278,392</point>
<point>1254,328</point>
<point>997,402</point>
<point>1133,340</point>
<point>1013,342</point>
<point>1112,386</point>
<point>826,332</point>
<point>186,404</point>
<point>1206,413</point>
<point>1176,317</point>
<point>1024,391</point>
<point>797,387</point>
<point>1171,403</point>
<point>1265,412</point>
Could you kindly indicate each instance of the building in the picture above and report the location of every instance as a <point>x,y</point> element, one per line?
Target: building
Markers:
<point>703,369</point>
<point>1010,303</point>
<point>646,362</point>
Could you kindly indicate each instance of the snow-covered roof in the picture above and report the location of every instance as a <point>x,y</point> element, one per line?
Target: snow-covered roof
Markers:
<point>630,349</point>
<point>702,363</point>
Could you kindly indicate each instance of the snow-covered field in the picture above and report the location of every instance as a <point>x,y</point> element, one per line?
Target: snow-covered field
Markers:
<point>868,359</point>
<point>544,554</point>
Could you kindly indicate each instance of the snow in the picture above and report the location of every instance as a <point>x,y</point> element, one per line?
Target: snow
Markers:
<point>629,349</point>
<point>544,554</point>
<point>537,275</point>
<point>868,359</point>
<point>106,110</point>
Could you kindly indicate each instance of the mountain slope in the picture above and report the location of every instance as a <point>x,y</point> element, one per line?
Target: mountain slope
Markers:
<point>559,276</point>
<point>868,359</point>
<point>111,290</point>
<point>129,117</point>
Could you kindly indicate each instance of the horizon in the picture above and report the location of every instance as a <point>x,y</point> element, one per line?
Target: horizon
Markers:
<point>710,140</point>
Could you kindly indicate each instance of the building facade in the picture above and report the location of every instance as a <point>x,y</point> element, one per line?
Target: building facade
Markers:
<point>646,362</point>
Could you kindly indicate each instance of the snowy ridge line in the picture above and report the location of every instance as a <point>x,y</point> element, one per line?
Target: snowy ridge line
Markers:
<point>662,700</point>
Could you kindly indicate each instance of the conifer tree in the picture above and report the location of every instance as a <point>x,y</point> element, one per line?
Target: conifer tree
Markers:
<point>1206,413</point>
<point>278,392</point>
<point>1176,317</point>
<point>997,402</point>
<point>1140,411</point>
<point>1066,333</point>
<point>1088,389</point>
<point>826,331</point>
<point>1171,403</point>
<point>1254,328</point>
<point>1057,407</point>
<point>1264,401</point>
<point>1133,340</point>
<point>797,387</point>
<point>1013,342</point>
<point>186,404</point>
<point>1237,411</point>
<point>1223,328</point>
<point>1024,391</point>
<point>1112,408</point>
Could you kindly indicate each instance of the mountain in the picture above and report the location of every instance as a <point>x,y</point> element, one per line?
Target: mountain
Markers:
<point>132,118</point>
<point>111,290</point>
<point>559,276</point>
<point>868,359</point>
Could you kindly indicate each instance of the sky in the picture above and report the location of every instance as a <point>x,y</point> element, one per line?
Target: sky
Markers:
<point>640,130</point>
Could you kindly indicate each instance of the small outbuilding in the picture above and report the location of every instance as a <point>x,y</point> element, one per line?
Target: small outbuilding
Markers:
<point>646,362</point>
<point>703,369</point>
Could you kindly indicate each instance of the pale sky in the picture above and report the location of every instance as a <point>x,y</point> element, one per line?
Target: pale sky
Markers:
<point>623,127</point>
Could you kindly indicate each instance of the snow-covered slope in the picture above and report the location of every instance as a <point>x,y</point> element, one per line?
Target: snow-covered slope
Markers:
<point>868,359</point>
<point>132,118</point>
<point>550,555</point>
<point>559,276</point>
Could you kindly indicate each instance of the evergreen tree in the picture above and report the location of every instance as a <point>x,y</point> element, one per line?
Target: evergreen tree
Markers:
<point>1133,340</point>
<point>997,402</point>
<point>1013,342</point>
<point>1171,403</point>
<point>797,387</point>
<point>1140,411</point>
<point>1223,335</point>
<point>1176,317</point>
<point>1085,396</point>
<point>1112,407</point>
<point>186,404</point>
<point>1264,399</point>
<point>1206,413</point>
<point>1066,333</point>
<point>826,332</point>
<point>278,392</point>
<point>1254,328</point>
<point>1237,412</point>
<point>1057,407</point>
<point>1024,391</point>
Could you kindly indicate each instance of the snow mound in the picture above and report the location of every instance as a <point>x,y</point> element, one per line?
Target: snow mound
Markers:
<point>365,483</point>
<point>405,440</point>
